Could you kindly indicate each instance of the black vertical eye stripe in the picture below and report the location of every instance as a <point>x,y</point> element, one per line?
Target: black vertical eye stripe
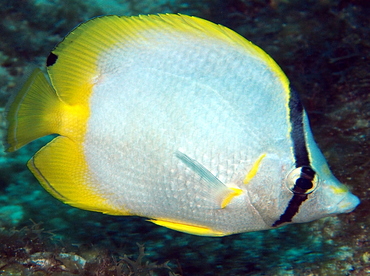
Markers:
<point>291,210</point>
<point>301,156</point>
<point>297,133</point>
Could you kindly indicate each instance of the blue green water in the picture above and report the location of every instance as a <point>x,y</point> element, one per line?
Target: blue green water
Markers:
<point>323,46</point>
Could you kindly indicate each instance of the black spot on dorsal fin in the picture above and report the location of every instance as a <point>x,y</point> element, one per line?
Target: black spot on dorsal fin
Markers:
<point>52,58</point>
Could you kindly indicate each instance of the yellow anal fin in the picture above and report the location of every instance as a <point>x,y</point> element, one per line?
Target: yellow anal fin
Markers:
<point>61,169</point>
<point>33,112</point>
<point>228,197</point>
<point>187,228</point>
<point>253,171</point>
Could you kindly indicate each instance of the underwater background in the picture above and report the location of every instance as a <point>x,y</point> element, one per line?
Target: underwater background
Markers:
<point>324,48</point>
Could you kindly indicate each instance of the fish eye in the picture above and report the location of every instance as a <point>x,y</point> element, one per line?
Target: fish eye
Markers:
<point>302,180</point>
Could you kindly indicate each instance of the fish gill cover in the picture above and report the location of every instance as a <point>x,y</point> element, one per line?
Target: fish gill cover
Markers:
<point>323,47</point>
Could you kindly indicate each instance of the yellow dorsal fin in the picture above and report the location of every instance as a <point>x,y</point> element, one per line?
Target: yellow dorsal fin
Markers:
<point>73,65</point>
<point>201,27</point>
<point>187,228</point>
<point>253,171</point>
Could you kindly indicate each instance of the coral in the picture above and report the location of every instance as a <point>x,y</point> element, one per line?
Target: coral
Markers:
<point>30,251</point>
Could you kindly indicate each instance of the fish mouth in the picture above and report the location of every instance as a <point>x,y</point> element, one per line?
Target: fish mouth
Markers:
<point>347,204</point>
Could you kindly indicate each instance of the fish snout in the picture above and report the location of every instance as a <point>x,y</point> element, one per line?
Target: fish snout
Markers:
<point>346,205</point>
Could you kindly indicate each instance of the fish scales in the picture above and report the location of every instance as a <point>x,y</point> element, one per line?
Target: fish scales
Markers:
<point>179,120</point>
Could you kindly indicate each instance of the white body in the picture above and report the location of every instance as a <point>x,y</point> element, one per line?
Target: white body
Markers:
<point>219,105</point>
<point>176,119</point>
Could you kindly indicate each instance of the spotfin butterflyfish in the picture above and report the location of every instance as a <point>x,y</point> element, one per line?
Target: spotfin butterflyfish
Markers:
<point>178,120</point>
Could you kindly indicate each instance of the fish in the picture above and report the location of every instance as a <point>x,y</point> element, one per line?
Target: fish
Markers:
<point>178,120</point>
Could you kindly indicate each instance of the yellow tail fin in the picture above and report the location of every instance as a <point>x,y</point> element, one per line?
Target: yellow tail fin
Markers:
<point>33,113</point>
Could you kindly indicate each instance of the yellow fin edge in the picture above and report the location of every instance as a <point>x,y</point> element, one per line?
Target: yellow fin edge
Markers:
<point>33,112</point>
<point>92,39</point>
<point>66,176</point>
<point>253,171</point>
<point>191,24</point>
<point>189,229</point>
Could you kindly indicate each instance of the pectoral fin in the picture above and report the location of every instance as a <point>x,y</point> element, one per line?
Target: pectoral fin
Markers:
<point>221,193</point>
